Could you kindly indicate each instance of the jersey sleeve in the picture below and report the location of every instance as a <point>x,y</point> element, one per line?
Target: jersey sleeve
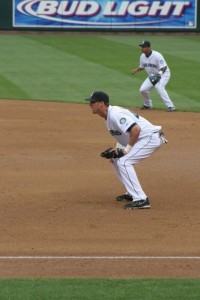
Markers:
<point>124,121</point>
<point>141,62</point>
<point>161,61</point>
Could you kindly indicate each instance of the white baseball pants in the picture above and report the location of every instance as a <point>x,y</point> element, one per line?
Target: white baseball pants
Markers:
<point>124,166</point>
<point>147,86</point>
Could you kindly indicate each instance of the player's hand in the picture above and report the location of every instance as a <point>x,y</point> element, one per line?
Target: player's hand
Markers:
<point>133,71</point>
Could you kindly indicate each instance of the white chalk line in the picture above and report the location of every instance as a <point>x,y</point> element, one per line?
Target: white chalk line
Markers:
<point>99,257</point>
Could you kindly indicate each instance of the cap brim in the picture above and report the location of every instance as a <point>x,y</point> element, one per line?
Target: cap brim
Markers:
<point>91,100</point>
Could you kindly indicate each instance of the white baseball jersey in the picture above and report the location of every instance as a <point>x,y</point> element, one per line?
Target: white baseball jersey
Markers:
<point>153,63</point>
<point>119,120</point>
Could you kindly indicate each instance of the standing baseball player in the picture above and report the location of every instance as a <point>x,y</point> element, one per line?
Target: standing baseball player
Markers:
<point>136,139</point>
<point>158,72</point>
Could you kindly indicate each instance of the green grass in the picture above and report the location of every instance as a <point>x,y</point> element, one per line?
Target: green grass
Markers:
<point>97,289</point>
<point>68,68</point>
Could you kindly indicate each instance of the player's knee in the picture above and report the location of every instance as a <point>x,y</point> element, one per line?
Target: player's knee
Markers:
<point>142,90</point>
<point>122,163</point>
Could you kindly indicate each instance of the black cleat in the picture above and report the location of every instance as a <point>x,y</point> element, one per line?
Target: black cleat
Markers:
<point>138,204</point>
<point>145,107</point>
<point>126,197</point>
<point>171,108</point>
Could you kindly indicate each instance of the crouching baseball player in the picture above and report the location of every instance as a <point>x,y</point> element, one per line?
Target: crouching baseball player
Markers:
<point>159,74</point>
<point>136,139</point>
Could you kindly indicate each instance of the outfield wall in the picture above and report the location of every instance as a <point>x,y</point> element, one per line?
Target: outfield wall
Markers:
<point>98,15</point>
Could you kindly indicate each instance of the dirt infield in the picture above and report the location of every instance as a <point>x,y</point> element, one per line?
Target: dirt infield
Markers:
<point>58,197</point>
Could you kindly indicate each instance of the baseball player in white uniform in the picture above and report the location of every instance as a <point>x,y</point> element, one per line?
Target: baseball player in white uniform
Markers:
<point>153,63</point>
<point>138,139</point>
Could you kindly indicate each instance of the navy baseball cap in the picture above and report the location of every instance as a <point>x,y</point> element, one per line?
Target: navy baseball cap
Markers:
<point>98,96</point>
<point>145,44</point>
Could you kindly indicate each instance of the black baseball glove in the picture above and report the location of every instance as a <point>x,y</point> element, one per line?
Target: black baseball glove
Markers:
<point>154,79</point>
<point>112,153</point>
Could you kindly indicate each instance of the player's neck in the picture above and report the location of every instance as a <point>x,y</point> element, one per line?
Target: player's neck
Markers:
<point>148,54</point>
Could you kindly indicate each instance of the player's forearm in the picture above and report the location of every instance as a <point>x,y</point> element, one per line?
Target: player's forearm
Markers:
<point>134,71</point>
<point>134,135</point>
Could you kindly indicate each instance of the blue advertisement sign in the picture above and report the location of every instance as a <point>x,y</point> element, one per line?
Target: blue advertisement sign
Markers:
<point>119,14</point>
